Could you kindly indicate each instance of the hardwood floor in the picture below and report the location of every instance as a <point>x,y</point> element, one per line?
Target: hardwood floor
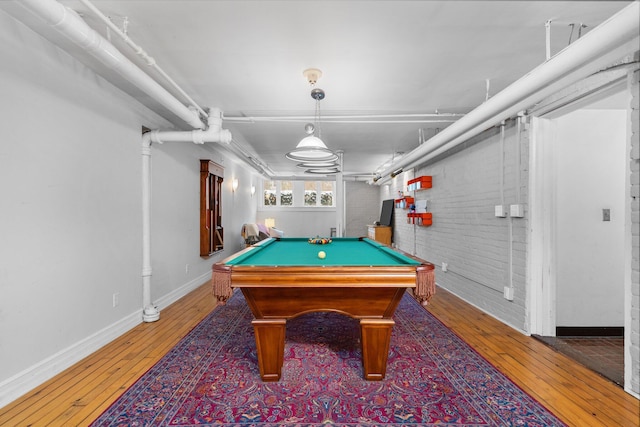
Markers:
<point>572,392</point>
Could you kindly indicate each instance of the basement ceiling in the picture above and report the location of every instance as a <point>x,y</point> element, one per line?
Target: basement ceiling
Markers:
<point>395,73</point>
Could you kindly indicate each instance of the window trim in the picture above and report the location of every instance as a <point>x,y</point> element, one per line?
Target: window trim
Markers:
<point>298,195</point>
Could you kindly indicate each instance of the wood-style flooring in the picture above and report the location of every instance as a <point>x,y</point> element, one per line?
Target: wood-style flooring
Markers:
<point>575,394</point>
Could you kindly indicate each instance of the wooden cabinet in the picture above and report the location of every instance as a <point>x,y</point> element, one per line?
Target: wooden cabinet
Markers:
<point>211,232</point>
<point>379,233</point>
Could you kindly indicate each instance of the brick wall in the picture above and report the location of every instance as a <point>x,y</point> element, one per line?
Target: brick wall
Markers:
<point>484,253</point>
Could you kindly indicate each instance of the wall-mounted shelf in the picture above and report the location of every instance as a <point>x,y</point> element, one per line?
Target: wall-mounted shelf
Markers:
<point>423,219</point>
<point>419,183</point>
<point>404,202</point>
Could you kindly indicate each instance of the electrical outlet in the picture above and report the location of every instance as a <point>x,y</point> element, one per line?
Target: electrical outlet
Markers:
<point>116,299</point>
<point>508,293</point>
<point>186,269</point>
<point>516,211</point>
<point>445,267</point>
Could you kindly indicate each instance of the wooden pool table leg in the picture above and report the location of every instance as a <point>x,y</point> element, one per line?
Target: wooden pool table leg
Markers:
<point>375,336</point>
<point>270,335</point>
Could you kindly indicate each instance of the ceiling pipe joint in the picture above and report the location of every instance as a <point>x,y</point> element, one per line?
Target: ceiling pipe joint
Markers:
<point>213,133</point>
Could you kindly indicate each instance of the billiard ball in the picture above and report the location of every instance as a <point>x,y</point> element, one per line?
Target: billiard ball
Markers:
<point>321,254</point>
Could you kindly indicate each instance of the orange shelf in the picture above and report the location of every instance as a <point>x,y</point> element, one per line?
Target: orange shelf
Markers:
<point>419,183</point>
<point>423,219</point>
<point>404,202</point>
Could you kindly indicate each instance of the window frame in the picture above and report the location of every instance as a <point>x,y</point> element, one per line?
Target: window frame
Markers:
<point>299,193</point>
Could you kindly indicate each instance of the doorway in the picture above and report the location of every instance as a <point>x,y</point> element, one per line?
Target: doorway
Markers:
<point>579,218</point>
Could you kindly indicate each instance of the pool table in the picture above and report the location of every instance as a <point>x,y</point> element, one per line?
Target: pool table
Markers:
<point>282,278</point>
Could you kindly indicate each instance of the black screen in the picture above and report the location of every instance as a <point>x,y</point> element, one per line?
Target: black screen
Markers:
<point>386,216</point>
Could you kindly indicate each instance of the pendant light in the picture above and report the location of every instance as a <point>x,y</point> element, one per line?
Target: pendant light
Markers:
<point>311,151</point>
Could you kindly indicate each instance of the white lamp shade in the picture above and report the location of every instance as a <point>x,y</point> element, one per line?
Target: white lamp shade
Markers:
<point>311,142</point>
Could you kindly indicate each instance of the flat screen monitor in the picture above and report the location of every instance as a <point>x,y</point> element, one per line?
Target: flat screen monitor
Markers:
<point>386,216</point>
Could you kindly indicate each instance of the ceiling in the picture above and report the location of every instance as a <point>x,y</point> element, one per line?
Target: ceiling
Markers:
<point>395,73</point>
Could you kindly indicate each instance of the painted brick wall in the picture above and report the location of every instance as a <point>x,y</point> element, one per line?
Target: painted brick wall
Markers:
<point>634,85</point>
<point>484,253</point>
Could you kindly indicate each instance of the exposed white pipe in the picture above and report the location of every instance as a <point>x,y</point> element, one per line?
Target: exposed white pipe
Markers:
<point>547,26</point>
<point>340,197</point>
<point>352,119</point>
<point>608,42</point>
<point>143,54</point>
<point>150,312</point>
<point>213,133</point>
<point>502,162</point>
<point>69,24</point>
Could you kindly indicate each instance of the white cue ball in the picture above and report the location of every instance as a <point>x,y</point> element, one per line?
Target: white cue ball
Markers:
<point>321,255</point>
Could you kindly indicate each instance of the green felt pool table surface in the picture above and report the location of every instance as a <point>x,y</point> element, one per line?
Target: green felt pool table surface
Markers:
<point>343,251</point>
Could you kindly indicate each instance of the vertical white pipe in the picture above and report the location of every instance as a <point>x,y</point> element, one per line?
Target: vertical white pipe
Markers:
<point>502,152</point>
<point>518,156</point>
<point>150,312</point>
<point>547,26</point>
<point>340,199</point>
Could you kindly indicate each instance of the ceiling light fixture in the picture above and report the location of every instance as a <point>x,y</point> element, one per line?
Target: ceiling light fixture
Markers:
<point>311,149</point>
<point>306,165</point>
<point>396,172</point>
<point>323,171</point>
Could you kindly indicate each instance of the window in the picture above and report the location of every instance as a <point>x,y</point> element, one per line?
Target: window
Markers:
<point>310,193</point>
<point>286,193</point>
<point>299,193</point>
<point>326,193</point>
<point>270,190</point>
<point>275,191</point>
<point>211,232</point>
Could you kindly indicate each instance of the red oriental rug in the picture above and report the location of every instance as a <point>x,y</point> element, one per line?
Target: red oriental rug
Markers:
<point>433,378</point>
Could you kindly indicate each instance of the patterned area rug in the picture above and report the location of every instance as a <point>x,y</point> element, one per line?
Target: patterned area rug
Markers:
<point>433,378</point>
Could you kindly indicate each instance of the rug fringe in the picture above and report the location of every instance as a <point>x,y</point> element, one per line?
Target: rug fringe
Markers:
<point>221,283</point>
<point>425,283</point>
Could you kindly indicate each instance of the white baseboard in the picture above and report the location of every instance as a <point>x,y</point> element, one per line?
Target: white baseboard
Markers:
<point>25,381</point>
<point>173,296</point>
<point>30,378</point>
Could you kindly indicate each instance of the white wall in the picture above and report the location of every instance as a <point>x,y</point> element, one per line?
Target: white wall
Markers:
<point>591,164</point>
<point>362,206</point>
<point>300,222</point>
<point>70,216</point>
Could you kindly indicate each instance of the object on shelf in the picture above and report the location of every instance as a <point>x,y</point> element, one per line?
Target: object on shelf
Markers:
<point>404,202</point>
<point>419,183</point>
<point>424,219</point>
<point>421,206</point>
